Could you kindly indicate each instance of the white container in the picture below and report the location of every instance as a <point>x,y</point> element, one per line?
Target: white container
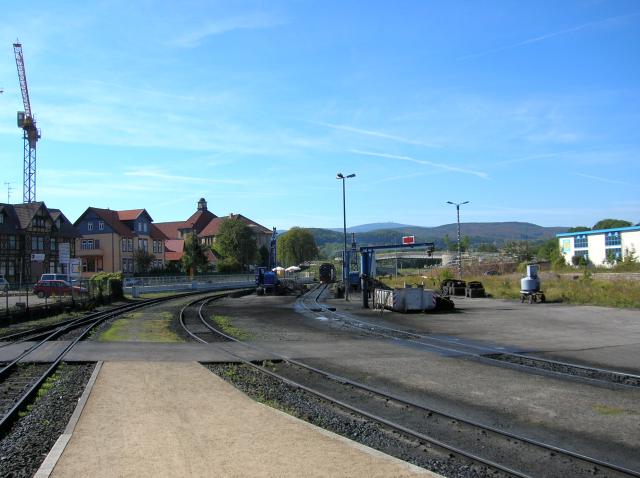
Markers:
<point>529,284</point>
<point>404,300</point>
<point>532,270</point>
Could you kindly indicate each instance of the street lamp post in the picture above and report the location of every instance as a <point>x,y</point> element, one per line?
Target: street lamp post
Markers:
<point>457,205</point>
<point>344,225</point>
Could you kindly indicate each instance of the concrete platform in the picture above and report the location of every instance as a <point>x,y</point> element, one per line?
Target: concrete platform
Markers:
<point>219,352</point>
<point>180,420</point>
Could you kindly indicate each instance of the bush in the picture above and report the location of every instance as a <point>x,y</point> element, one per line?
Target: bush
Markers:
<point>106,281</point>
<point>229,265</point>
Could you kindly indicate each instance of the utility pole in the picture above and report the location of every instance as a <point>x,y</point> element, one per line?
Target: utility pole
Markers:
<point>457,205</point>
<point>345,263</point>
<point>9,189</point>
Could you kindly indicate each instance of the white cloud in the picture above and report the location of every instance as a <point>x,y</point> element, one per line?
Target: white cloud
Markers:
<point>546,36</point>
<point>456,169</point>
<point>146,173</point>
<point>601,179</point>
<point>223,25</point>
<point>377,134</point>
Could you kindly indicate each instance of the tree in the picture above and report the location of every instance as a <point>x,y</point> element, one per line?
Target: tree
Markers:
<point>143,260</point>
<point>611,224</point>
<point>263,254</point>
<point>235,240</point>
<point>578,229</point>
<point>194,257</point>
<point>550,250</point>
<point>485,247</point>
<point>296,246</point>
<point>520,249</point>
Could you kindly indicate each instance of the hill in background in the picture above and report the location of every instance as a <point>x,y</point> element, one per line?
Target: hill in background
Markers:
<point>329,241</point>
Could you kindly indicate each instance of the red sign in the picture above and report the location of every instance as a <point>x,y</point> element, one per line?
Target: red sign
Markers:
<point>408,239</point>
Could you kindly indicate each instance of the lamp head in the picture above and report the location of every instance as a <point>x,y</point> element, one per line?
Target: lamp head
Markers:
<point>449,202</point>
<point>339,176</point>
<point>351,176</point>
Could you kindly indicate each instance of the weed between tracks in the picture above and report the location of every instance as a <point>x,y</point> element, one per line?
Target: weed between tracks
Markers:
<point>43,390</point>
<point>141,327</point>
<point>225,325</point>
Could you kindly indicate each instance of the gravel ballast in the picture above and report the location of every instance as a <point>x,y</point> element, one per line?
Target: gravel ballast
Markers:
<point>26,445</point>
<point>314,410</point>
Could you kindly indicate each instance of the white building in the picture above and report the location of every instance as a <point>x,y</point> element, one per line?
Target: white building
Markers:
<point>599,246</point>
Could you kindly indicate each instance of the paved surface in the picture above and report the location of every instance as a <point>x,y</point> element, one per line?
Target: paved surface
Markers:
<point>594,419</point>
<point>602,336</point>
<point>140,420</point>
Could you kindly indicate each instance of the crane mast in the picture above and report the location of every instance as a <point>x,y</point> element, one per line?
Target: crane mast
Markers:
<point>31,134</point>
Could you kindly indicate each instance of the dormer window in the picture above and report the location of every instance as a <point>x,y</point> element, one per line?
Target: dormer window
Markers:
<point>100,225</point>
<point>90,226</point>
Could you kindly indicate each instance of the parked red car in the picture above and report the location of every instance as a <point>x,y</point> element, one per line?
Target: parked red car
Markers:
<point>47,288</point>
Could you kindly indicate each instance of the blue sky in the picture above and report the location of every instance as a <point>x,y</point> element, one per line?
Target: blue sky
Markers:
<point>530,110</point>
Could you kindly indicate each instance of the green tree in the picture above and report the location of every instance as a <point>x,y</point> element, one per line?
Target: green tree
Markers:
<point>263,254</point>
<point>550,250</point>
<point>143,260</point>
<point>235,240</point>
<point>295,246</point>
<point>578,229</point>
<point>486,248</point>
<point>194,256</point>
<point>464,243</point>
<point>520,249</point>
<point>611,224</point>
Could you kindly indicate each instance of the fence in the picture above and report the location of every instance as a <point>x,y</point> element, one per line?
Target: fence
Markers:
<point>32,300</point>
<point>142,285</point>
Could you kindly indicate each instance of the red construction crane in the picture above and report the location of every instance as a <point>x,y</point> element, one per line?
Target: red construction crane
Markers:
<point>31,133</point>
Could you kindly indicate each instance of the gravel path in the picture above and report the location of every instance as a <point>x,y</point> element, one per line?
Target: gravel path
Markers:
<point>314,410</point>
<point>26,445</point>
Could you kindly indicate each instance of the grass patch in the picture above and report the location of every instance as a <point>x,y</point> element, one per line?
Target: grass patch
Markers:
<point>42,391</point>
<point>225,325</point>
<point>584,290</point>
<point>141,327</point>
<point>607,410</point>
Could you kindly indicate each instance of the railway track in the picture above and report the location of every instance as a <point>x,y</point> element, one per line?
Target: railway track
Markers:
<point>492,451</point>
<point>19,383</point>
<point>482,353</point>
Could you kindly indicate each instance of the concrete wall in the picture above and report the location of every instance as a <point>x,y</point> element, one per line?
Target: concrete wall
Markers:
<point>631,242</point>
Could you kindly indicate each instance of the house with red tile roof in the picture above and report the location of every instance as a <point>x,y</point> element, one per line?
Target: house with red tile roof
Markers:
<point>110,238</point>
<point>206,226</point>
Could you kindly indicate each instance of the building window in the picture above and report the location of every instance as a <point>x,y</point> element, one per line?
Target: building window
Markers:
<point>612,239</point>
<point>100,225</point>
<point>614,254</point>
<point>37,243</point>
<point>54,244</point>
<point>130,245</point>
<point>580,242</point>
<point>12,241</point>
<point>123,245</point>
<point>90,226</point>
<point>89,244</point>
<point>582,253</point>
<point>142,244</point>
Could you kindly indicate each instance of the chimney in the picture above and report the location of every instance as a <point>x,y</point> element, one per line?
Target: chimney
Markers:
<point>202,205</point>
